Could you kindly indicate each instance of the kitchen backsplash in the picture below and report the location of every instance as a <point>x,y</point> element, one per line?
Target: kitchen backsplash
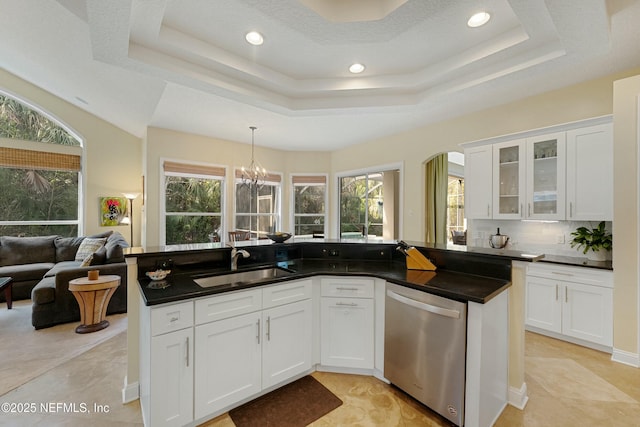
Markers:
<point>538,237</point>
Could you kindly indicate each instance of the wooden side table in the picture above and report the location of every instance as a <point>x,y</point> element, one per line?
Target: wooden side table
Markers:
<point>93,297</point>
<point>5,284</point>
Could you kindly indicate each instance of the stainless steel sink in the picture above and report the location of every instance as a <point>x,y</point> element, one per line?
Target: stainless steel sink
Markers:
<point>242,277</point>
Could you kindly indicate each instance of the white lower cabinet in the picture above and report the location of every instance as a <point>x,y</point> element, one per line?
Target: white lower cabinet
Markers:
<point>228,362</point>
<point>347,323</point>
<point>571,303</point>
<point>166,364</point>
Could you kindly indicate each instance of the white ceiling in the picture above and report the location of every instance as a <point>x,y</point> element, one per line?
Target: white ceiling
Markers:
<point>184,64</point>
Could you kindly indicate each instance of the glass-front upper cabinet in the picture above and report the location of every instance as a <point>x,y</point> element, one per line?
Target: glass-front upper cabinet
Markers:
<point>546,166</point>
<point>509,179</point>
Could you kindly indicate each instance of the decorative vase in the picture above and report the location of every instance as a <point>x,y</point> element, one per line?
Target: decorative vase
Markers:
<point>600,255</point>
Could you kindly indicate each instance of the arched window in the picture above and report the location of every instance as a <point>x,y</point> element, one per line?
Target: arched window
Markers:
<point>39,173</point>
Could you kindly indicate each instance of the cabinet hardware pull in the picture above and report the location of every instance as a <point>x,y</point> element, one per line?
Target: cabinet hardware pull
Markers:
<point>556,292</point>
<point>174,319</point>
<point>566,294</point>
<point>488,211</point>
<point>559,273</point>
<point>529,209</point>
<point>570,209</point>
<point>187,352</point>
<point>348,304</point>
<point>268,328</point>
<point>258,329</point>
<point>521,210</point>
<point>340,288</point>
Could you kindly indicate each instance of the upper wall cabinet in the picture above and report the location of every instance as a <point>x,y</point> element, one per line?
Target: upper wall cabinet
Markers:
<point>590,173</point>
<point>546,165</point>
<point>478,179</point>
<point>554,176</point>
<point>508,179</point>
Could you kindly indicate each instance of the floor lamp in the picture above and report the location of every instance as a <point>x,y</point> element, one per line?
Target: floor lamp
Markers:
<point>131,197</point>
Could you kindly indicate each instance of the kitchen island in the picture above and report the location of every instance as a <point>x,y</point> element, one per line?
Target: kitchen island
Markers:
<point>313,267</point>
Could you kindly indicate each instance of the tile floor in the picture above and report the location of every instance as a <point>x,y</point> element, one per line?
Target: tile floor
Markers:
<point>568,386</point>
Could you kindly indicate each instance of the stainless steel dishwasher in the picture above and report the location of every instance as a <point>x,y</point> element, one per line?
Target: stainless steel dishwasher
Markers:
<point>425,348</point>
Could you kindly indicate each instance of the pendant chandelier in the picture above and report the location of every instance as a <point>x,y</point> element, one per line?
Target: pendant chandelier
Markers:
<point>255,175</point>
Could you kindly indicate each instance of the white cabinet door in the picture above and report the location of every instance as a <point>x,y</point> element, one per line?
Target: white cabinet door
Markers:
<point>286,342</point>
<point>478,180</point>
<point>546,170</point>
<point>509,179</point>
<point>590,173</point>
<point>347,332</point>
<point>543,308</point>
<point>171,403</point>
<point>228,362</point>
<point>587,313</point>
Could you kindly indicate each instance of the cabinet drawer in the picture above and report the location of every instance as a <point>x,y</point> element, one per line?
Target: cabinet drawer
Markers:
<point>171,318</point>
<point>585,275</point>
<point>285,293</point>
<point>227,305</point>
<point>346,287</point>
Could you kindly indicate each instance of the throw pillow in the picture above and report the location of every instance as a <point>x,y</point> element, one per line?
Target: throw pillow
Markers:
<point>89,246</point>
<point>87,261</point>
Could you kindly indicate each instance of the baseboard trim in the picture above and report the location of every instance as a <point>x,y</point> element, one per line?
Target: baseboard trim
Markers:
<point>518,398</point>
<point>626,357</point>
<point>130,392</point>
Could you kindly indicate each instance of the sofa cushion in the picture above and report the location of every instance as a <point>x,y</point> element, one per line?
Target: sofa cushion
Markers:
<point>88,246</point>
<point>61,266</point>
<point>44,292</point>
<point>114,246</point>
<point>26,272</point>
<point>67,247</point>
<point>27,250</point>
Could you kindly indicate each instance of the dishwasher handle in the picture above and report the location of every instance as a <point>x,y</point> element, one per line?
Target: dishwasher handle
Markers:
<point>455,314</point>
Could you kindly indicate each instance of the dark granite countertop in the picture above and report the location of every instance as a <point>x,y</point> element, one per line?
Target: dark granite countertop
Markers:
<point>448,284</point>
<point>577,262</point>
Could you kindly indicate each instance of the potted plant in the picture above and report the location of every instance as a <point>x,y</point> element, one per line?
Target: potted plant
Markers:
<point>596,243</point>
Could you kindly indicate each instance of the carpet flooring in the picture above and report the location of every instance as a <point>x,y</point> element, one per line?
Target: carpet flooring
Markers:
<point>27,353</point>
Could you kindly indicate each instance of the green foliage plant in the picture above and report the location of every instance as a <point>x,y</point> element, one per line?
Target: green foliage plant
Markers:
<point>592,238</point>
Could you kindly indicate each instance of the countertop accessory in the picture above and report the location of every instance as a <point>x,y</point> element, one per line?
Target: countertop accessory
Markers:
<point>158,274</point>
<point>498,241</point>
<point>279,236</point>
<point>595,243</point>
<point>415,259</point>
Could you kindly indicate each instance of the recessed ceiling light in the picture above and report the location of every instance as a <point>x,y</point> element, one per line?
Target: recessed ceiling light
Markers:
<point>255,38</point>
<point>356,68</point>
<point>478,19</point>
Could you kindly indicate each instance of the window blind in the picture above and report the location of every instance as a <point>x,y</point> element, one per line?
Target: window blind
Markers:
<point>176,167</point>
<point>39,160</point>
<point>270,177</point>
<point>309,179</point>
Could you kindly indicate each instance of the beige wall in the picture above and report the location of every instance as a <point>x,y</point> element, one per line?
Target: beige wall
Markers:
<point>113,158</point>
<point>166,144</point>
<point>625,214</point>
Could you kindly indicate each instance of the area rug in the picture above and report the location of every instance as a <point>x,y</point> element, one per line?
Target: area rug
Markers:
<point>27,353</point>
<point>294,405</point>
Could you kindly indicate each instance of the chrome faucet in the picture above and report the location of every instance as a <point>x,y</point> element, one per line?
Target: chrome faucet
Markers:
<point>235,254</point>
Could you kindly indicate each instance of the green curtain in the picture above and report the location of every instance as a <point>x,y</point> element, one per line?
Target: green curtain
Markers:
<point>436,181</point>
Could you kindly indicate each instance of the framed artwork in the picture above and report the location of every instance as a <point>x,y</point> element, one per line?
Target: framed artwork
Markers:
<point>112,211</point>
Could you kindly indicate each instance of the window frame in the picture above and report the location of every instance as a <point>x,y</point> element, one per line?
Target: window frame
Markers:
<point>399,166</point>
<point>48,147</point>
<point>163,200</point>
<point>277,183</point>
<point>292,204</point>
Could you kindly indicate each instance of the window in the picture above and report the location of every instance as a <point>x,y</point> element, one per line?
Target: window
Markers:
<point>309,195</point>
<point>193,196</point>
<point>39,173</point>
<point>369,205</point>
<point>455,207</point>
<point>257,208</point>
